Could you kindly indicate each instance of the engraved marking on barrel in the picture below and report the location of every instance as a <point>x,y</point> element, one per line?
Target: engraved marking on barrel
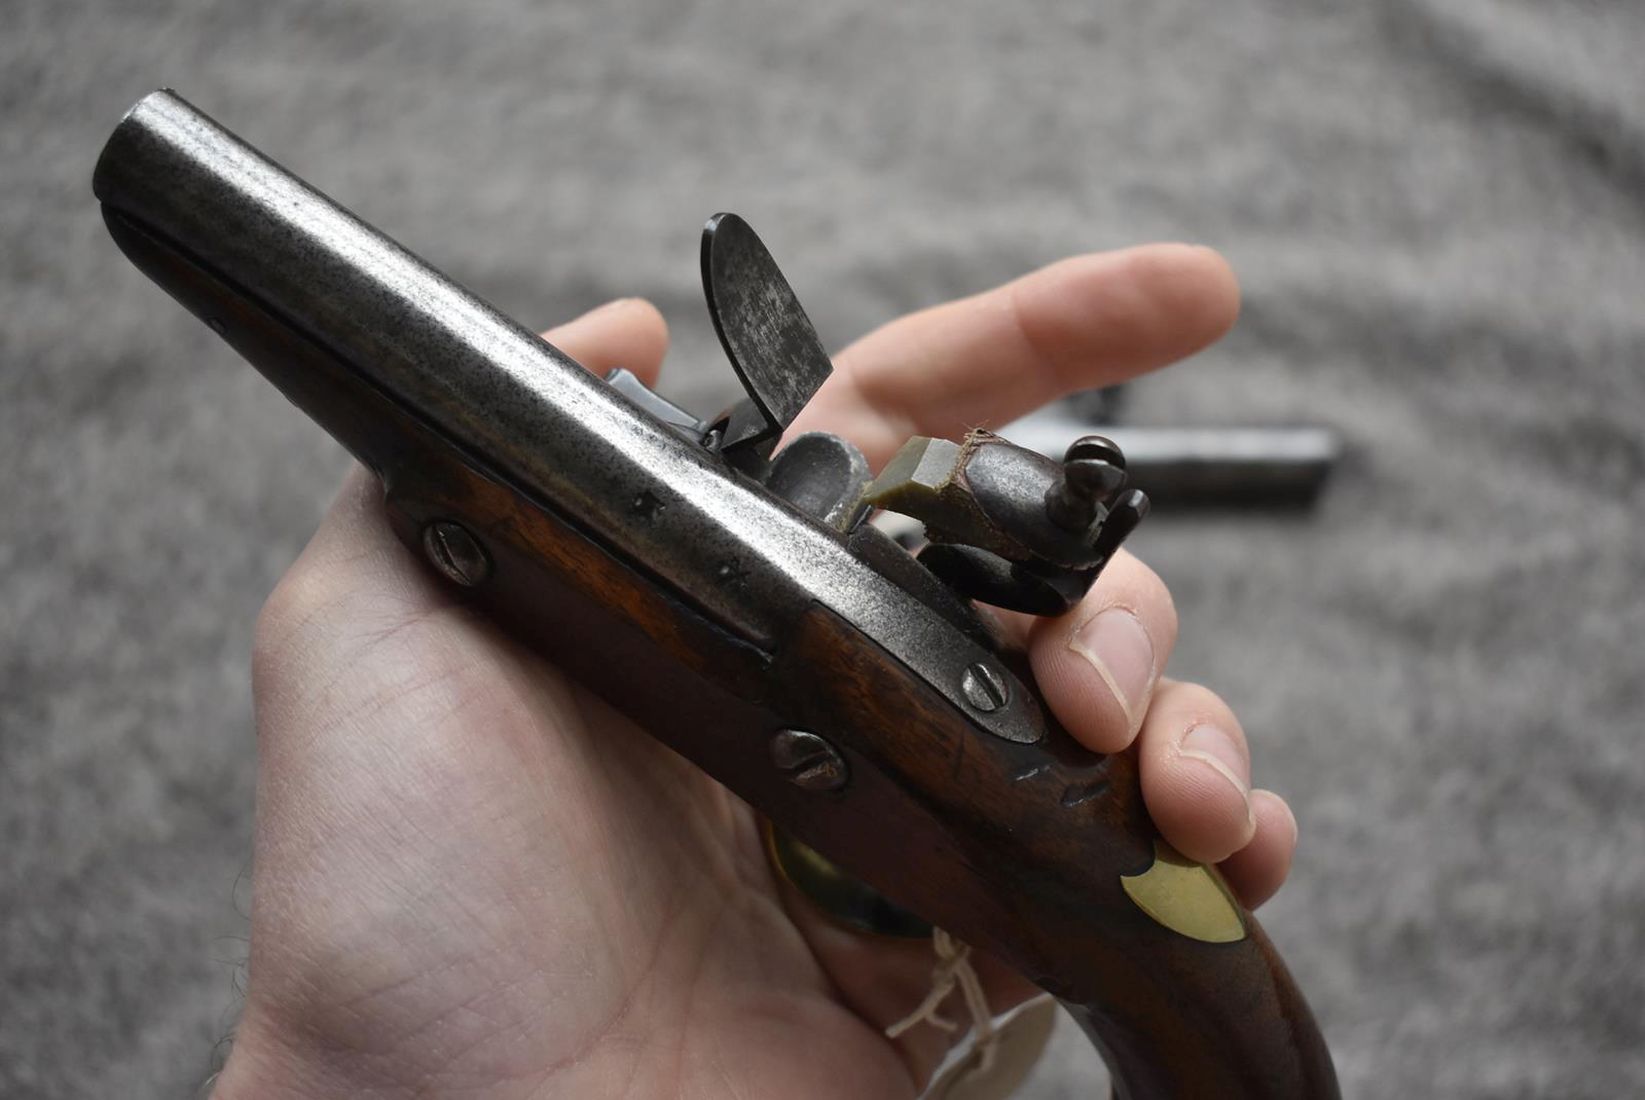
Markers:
<point>1030,772</point>
<point>647,506</point>
<point>1083,792</point>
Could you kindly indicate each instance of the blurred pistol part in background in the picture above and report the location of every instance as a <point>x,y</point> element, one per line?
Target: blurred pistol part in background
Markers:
<point>1280,468</point>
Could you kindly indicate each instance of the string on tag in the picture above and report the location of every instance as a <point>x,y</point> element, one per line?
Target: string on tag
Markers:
<point>954,969</point>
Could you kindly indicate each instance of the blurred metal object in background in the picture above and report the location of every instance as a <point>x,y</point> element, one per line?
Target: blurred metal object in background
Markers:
<point>1282,467</point>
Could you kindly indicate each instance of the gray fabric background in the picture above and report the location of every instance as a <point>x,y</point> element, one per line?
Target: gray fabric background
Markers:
<point>1436,207</point>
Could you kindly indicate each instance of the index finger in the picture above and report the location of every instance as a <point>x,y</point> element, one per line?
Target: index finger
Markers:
<point>1081,323</point>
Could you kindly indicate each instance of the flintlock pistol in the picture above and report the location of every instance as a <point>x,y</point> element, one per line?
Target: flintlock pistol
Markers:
<point>851,692</point>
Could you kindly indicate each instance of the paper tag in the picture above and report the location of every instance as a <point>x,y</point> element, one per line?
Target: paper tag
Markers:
<point>1018,1042</point>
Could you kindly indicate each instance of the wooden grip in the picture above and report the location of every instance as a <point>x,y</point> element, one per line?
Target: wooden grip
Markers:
<point>1040,853</point>
<point>1045,855</point>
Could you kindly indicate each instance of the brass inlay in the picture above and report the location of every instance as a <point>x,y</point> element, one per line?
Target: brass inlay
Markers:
<point>1186,897</point>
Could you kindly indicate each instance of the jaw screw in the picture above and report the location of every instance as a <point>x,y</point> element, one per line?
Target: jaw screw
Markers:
<point>1093,470</point>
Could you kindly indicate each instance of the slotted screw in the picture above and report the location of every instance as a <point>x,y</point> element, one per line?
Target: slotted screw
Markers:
<point>985,688</point>
<point>456,553</point>
<point>808,761</point>
<point>1093,469</point>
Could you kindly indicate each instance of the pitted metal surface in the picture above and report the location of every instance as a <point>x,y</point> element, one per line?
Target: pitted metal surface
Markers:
<point>517,407</point>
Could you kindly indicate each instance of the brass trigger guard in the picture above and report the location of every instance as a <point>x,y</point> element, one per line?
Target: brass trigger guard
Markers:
<point>840,897</point>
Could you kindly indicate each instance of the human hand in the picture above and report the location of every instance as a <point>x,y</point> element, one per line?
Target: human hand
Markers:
<point>473,877</point>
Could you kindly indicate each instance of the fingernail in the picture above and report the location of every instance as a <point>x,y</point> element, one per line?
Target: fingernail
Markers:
<point>1120,650</point>
<point>1217,748</point>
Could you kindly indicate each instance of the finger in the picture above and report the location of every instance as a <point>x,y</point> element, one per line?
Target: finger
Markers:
<point>629,333</point>
<point>1196,772</point>
<point>1258,870</point>
<point>1098,664</point>
<point>1082,323</point>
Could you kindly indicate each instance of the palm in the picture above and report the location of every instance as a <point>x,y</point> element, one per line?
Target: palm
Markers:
<point>518,849</point>
<point>473,876</point>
